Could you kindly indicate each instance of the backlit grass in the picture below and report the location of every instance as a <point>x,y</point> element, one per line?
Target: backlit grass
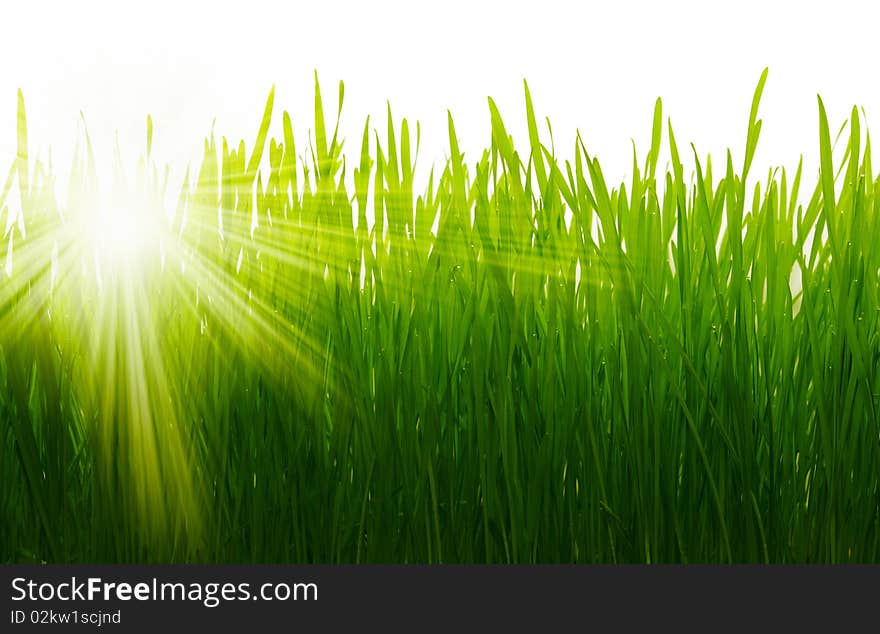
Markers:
<point>306,359</point>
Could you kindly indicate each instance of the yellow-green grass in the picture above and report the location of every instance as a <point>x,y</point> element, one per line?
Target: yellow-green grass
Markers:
<point>307,360</point>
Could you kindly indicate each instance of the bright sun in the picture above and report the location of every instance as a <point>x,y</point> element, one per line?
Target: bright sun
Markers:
<point>124,235</point>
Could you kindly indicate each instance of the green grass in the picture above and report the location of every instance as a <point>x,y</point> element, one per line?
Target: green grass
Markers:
<point>515,363</point>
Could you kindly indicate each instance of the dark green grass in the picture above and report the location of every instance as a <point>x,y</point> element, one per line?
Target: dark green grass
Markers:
<point>683,368</point>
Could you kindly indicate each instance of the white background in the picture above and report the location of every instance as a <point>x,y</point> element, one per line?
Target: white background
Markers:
<point>593,66</point>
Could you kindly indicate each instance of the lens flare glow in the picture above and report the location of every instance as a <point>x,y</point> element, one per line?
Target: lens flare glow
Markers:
<point>123,235</point>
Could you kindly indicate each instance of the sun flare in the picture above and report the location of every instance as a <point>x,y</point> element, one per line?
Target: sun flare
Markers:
<point>125,234</point>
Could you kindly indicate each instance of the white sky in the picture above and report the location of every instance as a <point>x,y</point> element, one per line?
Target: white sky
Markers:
<point>596,66</point>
